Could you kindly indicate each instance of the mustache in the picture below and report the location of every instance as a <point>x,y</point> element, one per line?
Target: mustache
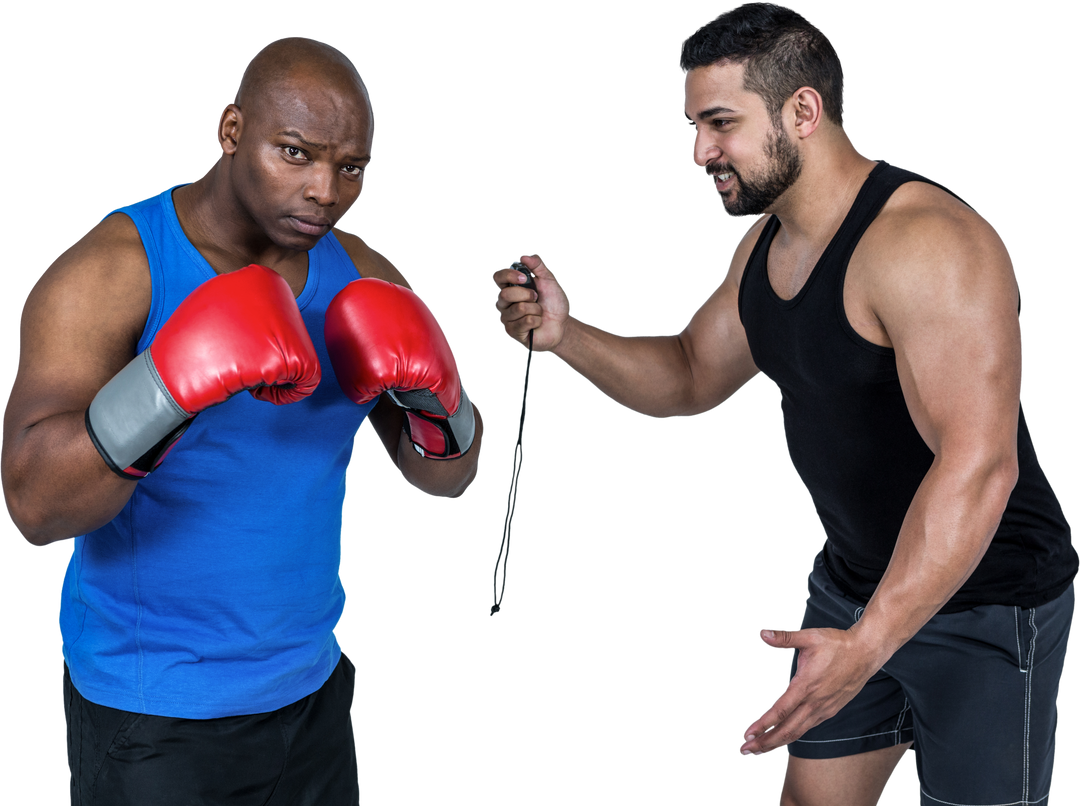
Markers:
<point>714,168</point>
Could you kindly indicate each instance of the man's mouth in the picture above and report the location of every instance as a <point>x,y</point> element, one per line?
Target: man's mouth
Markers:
<point>724,180</point>
<point>310,224</point>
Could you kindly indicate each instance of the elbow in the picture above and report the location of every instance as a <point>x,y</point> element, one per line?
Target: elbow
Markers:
<point>990,481</point>
<point>31,528</point>
<point>33,523</point>
<point>441,489</point>
<point>983,480</point>
<point>31,519</point>
<point>1002,479</point>
<point>23,516</point>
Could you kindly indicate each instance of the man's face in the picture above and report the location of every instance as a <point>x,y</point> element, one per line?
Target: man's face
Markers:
<point>299,159</point>
<point>751,160</point>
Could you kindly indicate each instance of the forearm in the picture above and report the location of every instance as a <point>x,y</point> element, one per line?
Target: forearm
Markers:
<point>948,527</point>
<point>649,374</point>
<point>56,484</point>
<point>447,478</point>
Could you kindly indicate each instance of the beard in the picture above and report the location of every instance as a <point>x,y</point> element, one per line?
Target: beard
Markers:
<point>755,193</point>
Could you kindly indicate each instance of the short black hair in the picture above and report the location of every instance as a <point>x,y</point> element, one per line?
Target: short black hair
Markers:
<point>781,50</point>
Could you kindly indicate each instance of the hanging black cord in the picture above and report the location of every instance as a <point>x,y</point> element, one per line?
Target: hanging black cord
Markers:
<point>511,501</point>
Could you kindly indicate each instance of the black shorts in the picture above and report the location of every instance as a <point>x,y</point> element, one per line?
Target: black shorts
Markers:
<point>976,691</point>
<point>300,755</point>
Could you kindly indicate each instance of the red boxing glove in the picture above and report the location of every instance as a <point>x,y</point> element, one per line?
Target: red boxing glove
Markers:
<point>382,338</point>
<point>236,331</point>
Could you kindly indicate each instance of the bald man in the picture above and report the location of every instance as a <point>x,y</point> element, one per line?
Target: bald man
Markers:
<point>199,605</point>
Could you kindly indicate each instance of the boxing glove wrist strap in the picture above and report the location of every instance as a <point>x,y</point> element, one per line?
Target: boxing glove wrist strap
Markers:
<point>133,420</point>
<point>436,434</point>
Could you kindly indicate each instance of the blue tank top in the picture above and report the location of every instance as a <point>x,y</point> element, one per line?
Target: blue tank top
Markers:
<point>215,591</point>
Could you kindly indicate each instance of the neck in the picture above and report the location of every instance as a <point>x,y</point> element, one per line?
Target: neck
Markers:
<point>218,226</point>
<point>832,173</point>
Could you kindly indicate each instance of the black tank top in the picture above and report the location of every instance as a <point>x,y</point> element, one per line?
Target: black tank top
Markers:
<point>852,439</point>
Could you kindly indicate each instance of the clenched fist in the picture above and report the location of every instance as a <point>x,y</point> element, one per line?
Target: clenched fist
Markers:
<point>543,311</point>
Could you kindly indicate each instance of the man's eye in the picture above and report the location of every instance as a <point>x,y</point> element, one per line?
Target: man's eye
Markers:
<point>353,170</point>
<point>294,152</point>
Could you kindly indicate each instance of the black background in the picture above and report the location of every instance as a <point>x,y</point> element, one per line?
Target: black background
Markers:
<point>646,553</point>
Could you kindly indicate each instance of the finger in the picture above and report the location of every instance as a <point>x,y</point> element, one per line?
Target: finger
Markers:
<point>782,724</point>
<point>519,319</point>
<point>789,701</point>
<point>509,278</point>
<point>512,276</point>
<point>780,710</point>
<point>516,314</point>
<point>516,295</point>
<point>532,261</point>
<point>785,639</point>
<point>537,266</point>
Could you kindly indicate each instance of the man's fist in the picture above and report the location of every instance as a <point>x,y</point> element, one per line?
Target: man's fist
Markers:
<point>540,309</point>
<point>236,331</point>
<point>382,338</point>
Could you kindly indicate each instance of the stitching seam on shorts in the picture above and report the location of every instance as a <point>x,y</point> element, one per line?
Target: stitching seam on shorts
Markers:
<point>1019,652</point>
<point>847,738</point>
<point>900,721</point>
<point>1027,706</point>
<point>1012,803</point>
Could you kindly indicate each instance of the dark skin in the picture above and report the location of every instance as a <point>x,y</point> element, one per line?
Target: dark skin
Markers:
<point>294,149</point>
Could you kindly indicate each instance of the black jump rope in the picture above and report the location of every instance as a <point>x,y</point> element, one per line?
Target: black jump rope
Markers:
<point>511,501</point>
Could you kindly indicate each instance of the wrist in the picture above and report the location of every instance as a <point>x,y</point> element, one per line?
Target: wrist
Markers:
<point>438,436</point>
<point>873,641</point>
<point>569,339</point>
<point>133,420</point>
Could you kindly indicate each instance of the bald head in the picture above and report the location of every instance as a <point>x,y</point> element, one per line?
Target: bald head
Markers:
<point>293,62</point>
<point>295,143</point>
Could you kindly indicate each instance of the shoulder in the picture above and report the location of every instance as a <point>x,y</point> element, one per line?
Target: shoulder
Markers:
<point>368,262</point>
<point>82,321</point>
<point>928,258</point>
<point>104,275</point>
<point>926,241</point>
<point>922,223</point>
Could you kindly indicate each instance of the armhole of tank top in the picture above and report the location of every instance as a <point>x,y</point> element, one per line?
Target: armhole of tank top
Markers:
<point>767,233</point>
<point>150,249</point>
<point>352,270</point>
<point>845,323</point>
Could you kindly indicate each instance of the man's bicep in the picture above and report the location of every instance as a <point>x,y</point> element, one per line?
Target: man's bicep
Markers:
<point>716,349</point>
<point>951,315</point>
<point>80,325</point>
<point>714,341</point>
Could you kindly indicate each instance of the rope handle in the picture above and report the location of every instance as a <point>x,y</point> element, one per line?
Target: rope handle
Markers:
<point>511,501</point>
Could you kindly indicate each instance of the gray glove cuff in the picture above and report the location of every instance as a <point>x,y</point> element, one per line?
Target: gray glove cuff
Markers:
<point>463,423</point>
<point>132,414</point>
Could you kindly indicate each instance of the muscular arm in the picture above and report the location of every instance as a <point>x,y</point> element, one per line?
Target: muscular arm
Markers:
<point>661,376</point>
<point>947,305</point>
<point>952,320</point>
<point>449,478</point>
<point>80,326</point>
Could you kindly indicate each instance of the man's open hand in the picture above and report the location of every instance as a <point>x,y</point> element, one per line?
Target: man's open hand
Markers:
<point>833,667</point>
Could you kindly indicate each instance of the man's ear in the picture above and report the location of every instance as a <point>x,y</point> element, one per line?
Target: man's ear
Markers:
<point>808,110</point>
<point>229,128</point>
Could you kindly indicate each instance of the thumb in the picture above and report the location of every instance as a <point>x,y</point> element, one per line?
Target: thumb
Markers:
<point>780,638</point>
<point>537,266</point>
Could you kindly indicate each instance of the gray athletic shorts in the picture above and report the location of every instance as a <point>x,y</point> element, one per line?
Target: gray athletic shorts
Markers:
<point>976,691</point>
